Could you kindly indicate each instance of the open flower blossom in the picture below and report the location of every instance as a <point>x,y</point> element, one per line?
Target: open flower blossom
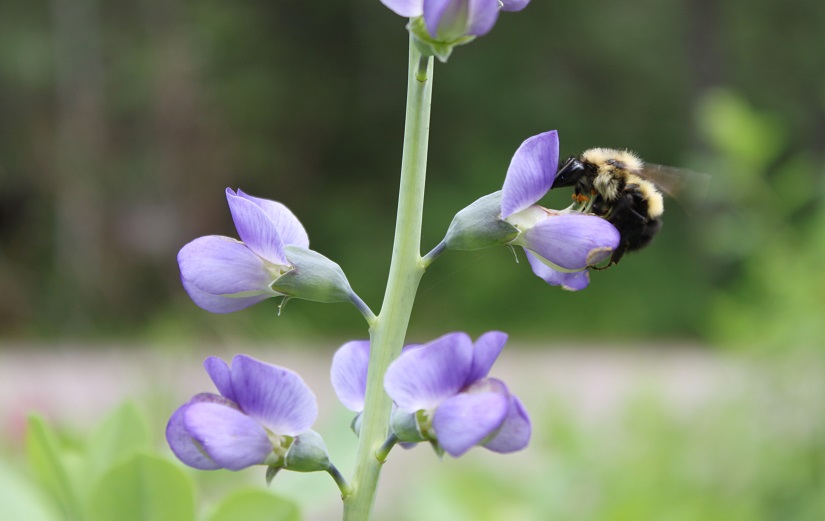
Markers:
<point>560,245</point>
<point>261,417</point>
<point>444,386</point>
<point>272,259</point>
<point>451,21</point>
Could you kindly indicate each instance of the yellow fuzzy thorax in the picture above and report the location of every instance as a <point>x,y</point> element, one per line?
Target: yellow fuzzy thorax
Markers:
<point>601,156</point>
<point>612,164</point>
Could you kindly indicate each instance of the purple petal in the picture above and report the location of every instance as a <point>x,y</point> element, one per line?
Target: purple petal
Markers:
<point>256,229</point>
<point>466,419</point>
<point>219,304</point>
<point>221,376</point>
<point>274,396</point>
<point>183,446</point>
<point>222,266</point>
<point>425,376</point>
<point>483,16</point>
<point>437,12</point>
<point>571,241</point>
<point>531,173</point>
<point>289,227</point>
<point>514,433</point>
<point>232,439</point>
<point>451,19</point>
<point>349,373</point>
<point>574,281</point>
<point>514,5</point>
<point>408,8</point>
<point>485,351</point>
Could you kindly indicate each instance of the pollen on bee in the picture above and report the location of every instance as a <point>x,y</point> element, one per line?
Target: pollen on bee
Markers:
<point>580,198</point>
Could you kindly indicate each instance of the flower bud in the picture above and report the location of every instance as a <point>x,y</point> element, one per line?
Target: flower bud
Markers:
<point>405,426</point>
<point>480,226</point>
<point>308,453</point>
<point>312,277</point>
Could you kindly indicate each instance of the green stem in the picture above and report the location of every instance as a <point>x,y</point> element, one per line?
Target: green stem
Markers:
<point>390,327</point>
<point>343,486</point>
<point>434,253</point>
<point>385,449</point>
<point>362,306</point>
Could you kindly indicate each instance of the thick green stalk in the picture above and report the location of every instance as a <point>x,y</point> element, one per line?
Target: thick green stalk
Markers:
<point>390,327</point>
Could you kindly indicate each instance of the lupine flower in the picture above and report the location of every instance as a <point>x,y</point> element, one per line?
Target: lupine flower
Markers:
<point>272,259</point>
<point>261,417</point>
<point>451,22</point>
<point>349,373</point>
<point>560,245</point>
<point>444,385</point>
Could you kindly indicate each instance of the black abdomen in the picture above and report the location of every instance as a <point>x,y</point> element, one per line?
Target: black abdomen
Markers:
<point>629,214</point>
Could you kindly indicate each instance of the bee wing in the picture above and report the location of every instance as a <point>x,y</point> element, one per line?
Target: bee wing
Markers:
<point>689,188</point>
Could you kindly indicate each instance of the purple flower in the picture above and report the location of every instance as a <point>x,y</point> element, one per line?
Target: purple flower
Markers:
<point>444,384</point>
<point>263,411</point>
<point>451,20</point>
<point>349,373</point>
<point>222,274</point>
<point>560,245</point>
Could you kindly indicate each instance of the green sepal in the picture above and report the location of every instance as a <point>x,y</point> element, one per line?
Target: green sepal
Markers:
<point>308,453</point>
<point>429,46</point>
<point>405,427</point>
<point>439,450</point>
<point>312,277</point>
<point>356,424</point>
<point>480,226</point>
<point>271,471</point>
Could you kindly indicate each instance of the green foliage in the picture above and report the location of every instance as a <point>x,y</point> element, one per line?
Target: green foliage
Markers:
<point>143,488</point>
<point>123,433</point>
<point>21,500</point>
<point>116,475</point>
<point>764,228</point>
<point>48,462</point>
<point>254,505</point>
<point>754,456</point>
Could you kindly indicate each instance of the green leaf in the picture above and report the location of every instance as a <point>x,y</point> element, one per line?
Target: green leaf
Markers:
<point>44,455</point>
<point>143,488</point>
<point>736,129</point>
<point>20,500</point>
<point>123,433</point>
<point>255,505</point>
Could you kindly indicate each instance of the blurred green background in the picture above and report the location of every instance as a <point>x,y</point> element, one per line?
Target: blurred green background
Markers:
<point>122,122</point>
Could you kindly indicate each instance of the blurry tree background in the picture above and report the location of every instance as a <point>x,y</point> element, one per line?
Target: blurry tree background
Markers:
<point>122,122</point>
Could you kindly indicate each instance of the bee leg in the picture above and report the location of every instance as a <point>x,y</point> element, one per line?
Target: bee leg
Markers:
<point>602,268</point>
<point>628,215</point>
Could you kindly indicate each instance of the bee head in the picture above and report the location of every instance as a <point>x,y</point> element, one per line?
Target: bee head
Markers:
<point>570,173</point>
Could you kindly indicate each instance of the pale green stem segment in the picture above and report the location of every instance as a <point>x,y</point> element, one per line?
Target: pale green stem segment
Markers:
<point>340,480</point>
<point>390,327</point>
<point>385,449</point>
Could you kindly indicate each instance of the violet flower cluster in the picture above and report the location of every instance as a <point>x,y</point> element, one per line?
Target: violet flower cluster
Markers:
<point>441,392</point>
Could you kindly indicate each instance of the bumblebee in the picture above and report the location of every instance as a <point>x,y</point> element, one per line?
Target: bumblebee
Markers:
<point>618,186</point>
